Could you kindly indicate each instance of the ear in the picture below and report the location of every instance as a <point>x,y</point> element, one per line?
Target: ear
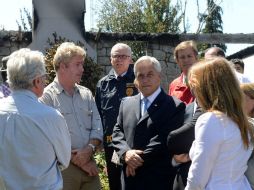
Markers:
<point>36,82</point>
<point>63,65</point>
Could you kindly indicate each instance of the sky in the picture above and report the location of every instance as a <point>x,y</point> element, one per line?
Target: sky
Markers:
<point>236,16</point>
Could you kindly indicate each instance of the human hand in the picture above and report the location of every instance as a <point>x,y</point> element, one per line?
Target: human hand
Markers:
<point>181,158</point>
<point>81,156</point>
<point>91,168</point>
<point>133,159</point>
<point>130,171</point>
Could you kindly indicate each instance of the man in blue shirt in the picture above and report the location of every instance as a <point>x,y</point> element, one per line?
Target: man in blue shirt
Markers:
<point>35,141</point>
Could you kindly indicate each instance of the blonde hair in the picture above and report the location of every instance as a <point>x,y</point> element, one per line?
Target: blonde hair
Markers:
<point>217,89</point>
<point>184,45</point>
<point>65,52</point>
<point>248,90</point>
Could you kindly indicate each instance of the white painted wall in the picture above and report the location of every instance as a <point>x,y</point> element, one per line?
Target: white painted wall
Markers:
<point>61,16</point>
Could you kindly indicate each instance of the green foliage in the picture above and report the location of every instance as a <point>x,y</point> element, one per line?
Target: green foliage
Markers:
<point>150,16</point>
<point>101,163</point>
<point>160,16</point>
<point>213,24</point>
<point>26,20</point>
<point>139,16</point>
<point>92,71</point>
<point>121,16</point>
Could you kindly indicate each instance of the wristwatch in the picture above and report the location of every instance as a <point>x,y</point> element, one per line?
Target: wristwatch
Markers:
<point>93,147</point>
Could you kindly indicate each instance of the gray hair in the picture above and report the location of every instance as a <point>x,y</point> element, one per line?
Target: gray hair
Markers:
<point>156,64</point>
<point>23,67</point>
<point>121,46</point>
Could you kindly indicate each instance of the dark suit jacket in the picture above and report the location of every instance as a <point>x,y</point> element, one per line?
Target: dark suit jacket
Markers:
<point>179,142</point>
<point>149,134</point>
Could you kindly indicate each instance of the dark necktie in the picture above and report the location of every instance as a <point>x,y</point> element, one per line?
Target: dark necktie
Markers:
<point>119,77</point>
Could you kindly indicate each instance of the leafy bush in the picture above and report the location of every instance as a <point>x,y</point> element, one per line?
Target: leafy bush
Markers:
<point>101,163</point>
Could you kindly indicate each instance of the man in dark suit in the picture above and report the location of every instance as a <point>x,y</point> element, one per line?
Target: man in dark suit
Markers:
<point>179,143</point>
<point>143,124</point>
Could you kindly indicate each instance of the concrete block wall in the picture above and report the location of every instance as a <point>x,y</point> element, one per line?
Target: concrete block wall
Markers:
<point>11,41</point>
<point>161,50</point>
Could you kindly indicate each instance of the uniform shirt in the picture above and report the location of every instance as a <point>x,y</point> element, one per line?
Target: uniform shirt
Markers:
<point>219,158</point>
<point>34,142</point>
<point>180,90</point>
<point>79,111</point>
<point>109,93</point>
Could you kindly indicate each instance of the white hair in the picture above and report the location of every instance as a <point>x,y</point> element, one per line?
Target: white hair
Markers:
<point>156,64</point>
<point>121,46</point>
<point>23,67</point>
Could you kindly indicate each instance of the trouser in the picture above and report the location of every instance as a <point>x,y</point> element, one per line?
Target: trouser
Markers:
<point>76,179</point>
<point>113,170</point>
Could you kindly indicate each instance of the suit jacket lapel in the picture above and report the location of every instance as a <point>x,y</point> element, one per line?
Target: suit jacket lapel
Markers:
<point>136,106</point>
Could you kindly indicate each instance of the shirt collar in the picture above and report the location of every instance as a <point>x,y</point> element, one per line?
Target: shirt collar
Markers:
<point>120,75</point>
<point>152,97</point>
<point>59,88</point>
<point>184,79</point>
<point>28,93</point>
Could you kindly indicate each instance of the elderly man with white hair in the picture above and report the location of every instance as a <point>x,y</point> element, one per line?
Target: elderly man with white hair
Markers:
<point>35,141</point>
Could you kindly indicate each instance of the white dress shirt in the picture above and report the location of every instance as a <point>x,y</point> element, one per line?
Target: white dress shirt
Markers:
<point>150,98</point>
<point>34,142</point>
<point>218,156</point>
<point>241,78</point>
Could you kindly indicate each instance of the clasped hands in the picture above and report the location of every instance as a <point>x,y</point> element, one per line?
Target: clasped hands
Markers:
<point>133,160</point>
<point>181,158</point>
<point>82,158</point>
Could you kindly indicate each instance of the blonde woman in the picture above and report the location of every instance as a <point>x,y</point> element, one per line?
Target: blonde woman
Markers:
<point>248,91</point>
<point>221,147</point>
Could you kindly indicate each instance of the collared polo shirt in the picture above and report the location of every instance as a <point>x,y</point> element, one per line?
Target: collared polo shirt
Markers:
<point>79,111</point>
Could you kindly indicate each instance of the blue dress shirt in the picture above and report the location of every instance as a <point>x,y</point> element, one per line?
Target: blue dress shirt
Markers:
<point>34,143</point>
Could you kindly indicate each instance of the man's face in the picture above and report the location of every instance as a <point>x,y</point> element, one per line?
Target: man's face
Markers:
<point>211,53</point>
<point>147,79</point>
<point>185,59</point>
<point>74,69</point>
<point>249,105</point>
<point>238,68</point>
<point>120,60</point>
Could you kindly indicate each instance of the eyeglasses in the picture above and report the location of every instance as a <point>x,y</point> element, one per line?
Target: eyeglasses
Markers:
<point>120,56</point>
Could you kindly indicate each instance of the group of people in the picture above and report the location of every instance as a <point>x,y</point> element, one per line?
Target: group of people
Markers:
<point>196,136</point>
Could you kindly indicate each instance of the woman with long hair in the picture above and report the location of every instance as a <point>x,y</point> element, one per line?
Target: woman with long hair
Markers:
<point>222,145</point>
<point>248,106</point>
